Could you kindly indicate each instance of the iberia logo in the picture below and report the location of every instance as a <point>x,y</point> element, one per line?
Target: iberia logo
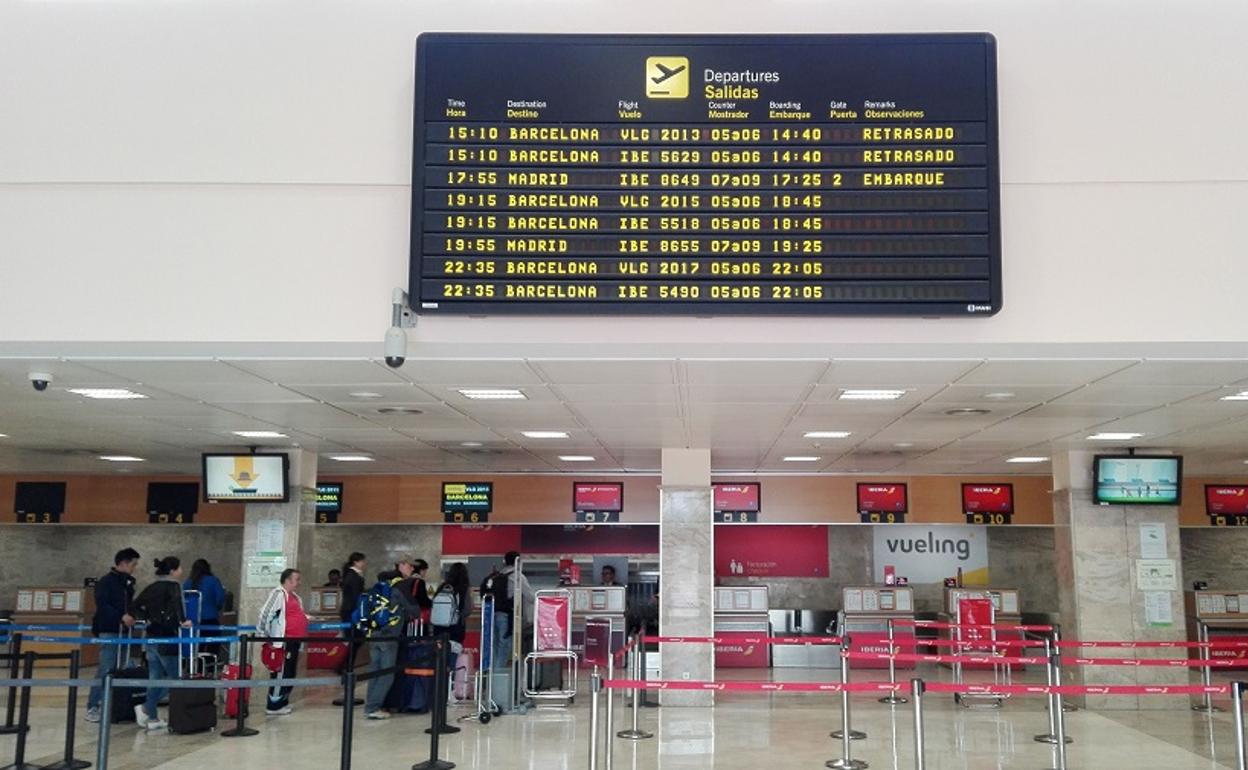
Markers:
<point>667,77</point>
<point>749,650</point>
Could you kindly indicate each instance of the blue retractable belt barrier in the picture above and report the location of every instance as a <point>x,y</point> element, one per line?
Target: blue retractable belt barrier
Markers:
<point>47,627</point>
<point>103,642</point>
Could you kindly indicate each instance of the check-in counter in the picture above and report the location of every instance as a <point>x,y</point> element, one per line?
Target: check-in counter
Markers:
<point>866,612</point>
<point>57,605</point>
<point>804,623</point>
<point>741,613</point>
<point>607,602</point>
<point>323,607</point>
<point>1007,611</point>
<point>1219,616</point>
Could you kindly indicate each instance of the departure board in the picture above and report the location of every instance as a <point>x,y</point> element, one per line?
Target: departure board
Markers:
<point>706,175</point>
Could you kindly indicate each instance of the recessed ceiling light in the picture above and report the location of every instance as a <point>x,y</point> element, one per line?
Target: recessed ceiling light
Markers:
<point>544,433</point>
<point>577,458</point>
<point>999,396</point>
<point>967,411</point>
<point>1113,436</point>
<point>801,459</point>
<point>492,394</point>
<point>904,444</point>
<point>827,434</point>
<point>871,395</point>
<point>259,434</point>
<point>106,393</point>
<point>351,458</point>
<point>1240,396</point>
<point>365,394</point>
<point>4,435</point>
<point>1026,459</point>
<point>471,443</point>
<point>398,410</point>
<point>122,459</point>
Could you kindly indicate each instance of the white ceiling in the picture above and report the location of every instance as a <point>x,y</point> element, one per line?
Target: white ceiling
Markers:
<point>751,413</point>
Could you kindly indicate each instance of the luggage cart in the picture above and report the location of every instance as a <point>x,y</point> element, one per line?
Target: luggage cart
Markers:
<point>552,642</point>
<point>483,687</point>
<point>975,641</point>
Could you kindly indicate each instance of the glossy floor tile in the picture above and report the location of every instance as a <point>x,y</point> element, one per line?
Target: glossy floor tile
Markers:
<point>744,730</point>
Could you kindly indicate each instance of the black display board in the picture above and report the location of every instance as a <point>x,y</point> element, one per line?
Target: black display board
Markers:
<point>470,501</point>
<point>39,502</point>
<point>172,502</point>
<point>328,501</point>
<point>787,174</point>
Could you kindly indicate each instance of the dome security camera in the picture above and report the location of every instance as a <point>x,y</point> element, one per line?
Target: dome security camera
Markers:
<point>40,380</point>
<point>395,347</point>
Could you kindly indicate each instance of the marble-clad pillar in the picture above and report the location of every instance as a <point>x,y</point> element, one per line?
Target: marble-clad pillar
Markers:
<point>686,571</point>
<point>298,518</point>
<point>1097,548</point>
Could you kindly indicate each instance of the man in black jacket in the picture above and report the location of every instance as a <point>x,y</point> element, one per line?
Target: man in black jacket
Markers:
<point>114,595</point>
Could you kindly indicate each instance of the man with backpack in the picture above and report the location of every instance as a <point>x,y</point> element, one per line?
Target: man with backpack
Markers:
<point>382,614</point>
<point>502,587</point>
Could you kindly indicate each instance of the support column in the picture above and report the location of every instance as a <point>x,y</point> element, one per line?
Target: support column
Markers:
<point>1098,548</point>
<point>297,521</point>
<point>686,577</point>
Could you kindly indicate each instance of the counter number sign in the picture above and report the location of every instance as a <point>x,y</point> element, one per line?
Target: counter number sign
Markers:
<point>467,502</point>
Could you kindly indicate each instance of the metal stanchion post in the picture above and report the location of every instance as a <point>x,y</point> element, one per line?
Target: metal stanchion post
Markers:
<point>892,699</point>
<point>1237,708</point>
<point>240,729</point>
<point>438,712</point>
<point>847,761</point>
<point>609,733</point>
<point>595,684</point>
<point>635,733</point>
<point>352,648</point>
<point>1056,633</point>
<point>1206,673</point>
<point>71,720</point>
<point>15,668</point>
<point>853,735</point>
<point>1060,745</point>
<point>23,717</point>
<point>916,694</point>
<point>1051,735</point>
<point>348,718</point>
<point>106,723</point>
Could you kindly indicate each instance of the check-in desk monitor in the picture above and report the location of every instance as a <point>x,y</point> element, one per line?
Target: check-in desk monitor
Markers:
<point>57,605</point>
<point>1219,616</point>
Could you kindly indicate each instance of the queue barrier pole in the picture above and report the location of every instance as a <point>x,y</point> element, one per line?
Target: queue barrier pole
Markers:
<point>106,723</point>
<point>609,748</point>
<point>71,720</point>
<point>23,717</point>
<point>1056,635</point>
<point>1060,745</point>
<point>1051,701</point>
<point>845,733</point>
<point>348,718</point>
<point>10,709</point>
<point>892,699</point>
<point>916,695</point>
<point>1237,707</point>
<point>437,715</point>
<point>1206,673</point>
<point>635,733</point>
<point>595,686</point>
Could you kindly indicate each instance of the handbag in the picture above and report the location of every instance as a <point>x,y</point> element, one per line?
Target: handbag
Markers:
<point>273,657</point>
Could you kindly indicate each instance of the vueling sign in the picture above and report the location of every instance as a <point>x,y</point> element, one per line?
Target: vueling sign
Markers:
<point>959,547</point>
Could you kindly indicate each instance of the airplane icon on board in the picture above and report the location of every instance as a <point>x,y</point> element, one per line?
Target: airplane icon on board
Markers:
<point>667,77</point>
<point>667,72</point>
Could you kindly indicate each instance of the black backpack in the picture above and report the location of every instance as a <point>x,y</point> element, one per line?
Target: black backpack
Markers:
<point>496,585</point>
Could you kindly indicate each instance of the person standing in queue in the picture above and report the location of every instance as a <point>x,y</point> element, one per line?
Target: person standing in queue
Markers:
<point>282,616</point>
<point>420,591</point>
<point>503,586</point>
<point>211,597</point>
<point>395,588</point>
<point>353,587</point>
<point>114,594</point>
<point>161,605</point>
<point>456,583</point>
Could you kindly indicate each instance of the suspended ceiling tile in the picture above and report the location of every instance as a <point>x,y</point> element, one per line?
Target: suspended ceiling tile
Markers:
<point>1141,395</point>
<point>778,372</point>
<point>1025,395</point>
<point>618,394</point>
<point>1042,371</point>
<point>743,394</point>
<point>863,373</point>
<point>1182,372</point>
<point>320,372</point>
<point>389,393</point>
<point>469,372</point>
<point>160,373</point>
<point>607,372</point>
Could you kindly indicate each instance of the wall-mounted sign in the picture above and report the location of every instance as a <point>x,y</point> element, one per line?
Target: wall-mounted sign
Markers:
<point>328,501</point>
<point>172,502</point>
<point>925,554</point>
<point>882,503</point>
<point>1226,499</point>
<point>988,503</point>
<point>467,501</point>
<point>39,502</point>
<point>1236,520</point>
<point>597,502</point>
<point>772,550</point>
<point>736,503</point>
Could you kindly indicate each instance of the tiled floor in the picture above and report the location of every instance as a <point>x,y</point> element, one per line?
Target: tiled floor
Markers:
<point>743,731</point>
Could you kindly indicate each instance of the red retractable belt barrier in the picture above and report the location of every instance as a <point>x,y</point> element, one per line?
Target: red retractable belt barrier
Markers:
<point>1073,689</point>
<point>1163,662</point>
<point>1223,645</point>
<point>630,684</point>
<point>742,639</point>
<point>978,659</point>
<point>978,627</point>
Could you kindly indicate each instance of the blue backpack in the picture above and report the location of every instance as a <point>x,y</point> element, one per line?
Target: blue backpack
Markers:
<point>376,609</point>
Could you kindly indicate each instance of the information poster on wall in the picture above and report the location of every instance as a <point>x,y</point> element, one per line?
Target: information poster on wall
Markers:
<point>265,571</point>
<point>1156,575</point>
<point>270,537</point>
<point>924,554</point>
<point>772,550</point>
<point>1157,609</point>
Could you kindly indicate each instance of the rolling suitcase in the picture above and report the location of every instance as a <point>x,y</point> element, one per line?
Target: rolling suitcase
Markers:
<point>237,695</point>
<point>413,687</point>
<point>126,698</point>
<point>191,710</point>
<point>461,688</point>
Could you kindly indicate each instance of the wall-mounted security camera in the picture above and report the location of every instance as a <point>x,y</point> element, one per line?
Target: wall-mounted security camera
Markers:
<point>395,347</point>
<point>40,380</point>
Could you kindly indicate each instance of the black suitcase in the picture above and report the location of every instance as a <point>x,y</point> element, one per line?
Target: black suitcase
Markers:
<point>126,698</point>
<point>413,686</point>
<point>192,710</point>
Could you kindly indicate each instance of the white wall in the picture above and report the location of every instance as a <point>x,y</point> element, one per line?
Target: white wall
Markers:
<point>232,172</point>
